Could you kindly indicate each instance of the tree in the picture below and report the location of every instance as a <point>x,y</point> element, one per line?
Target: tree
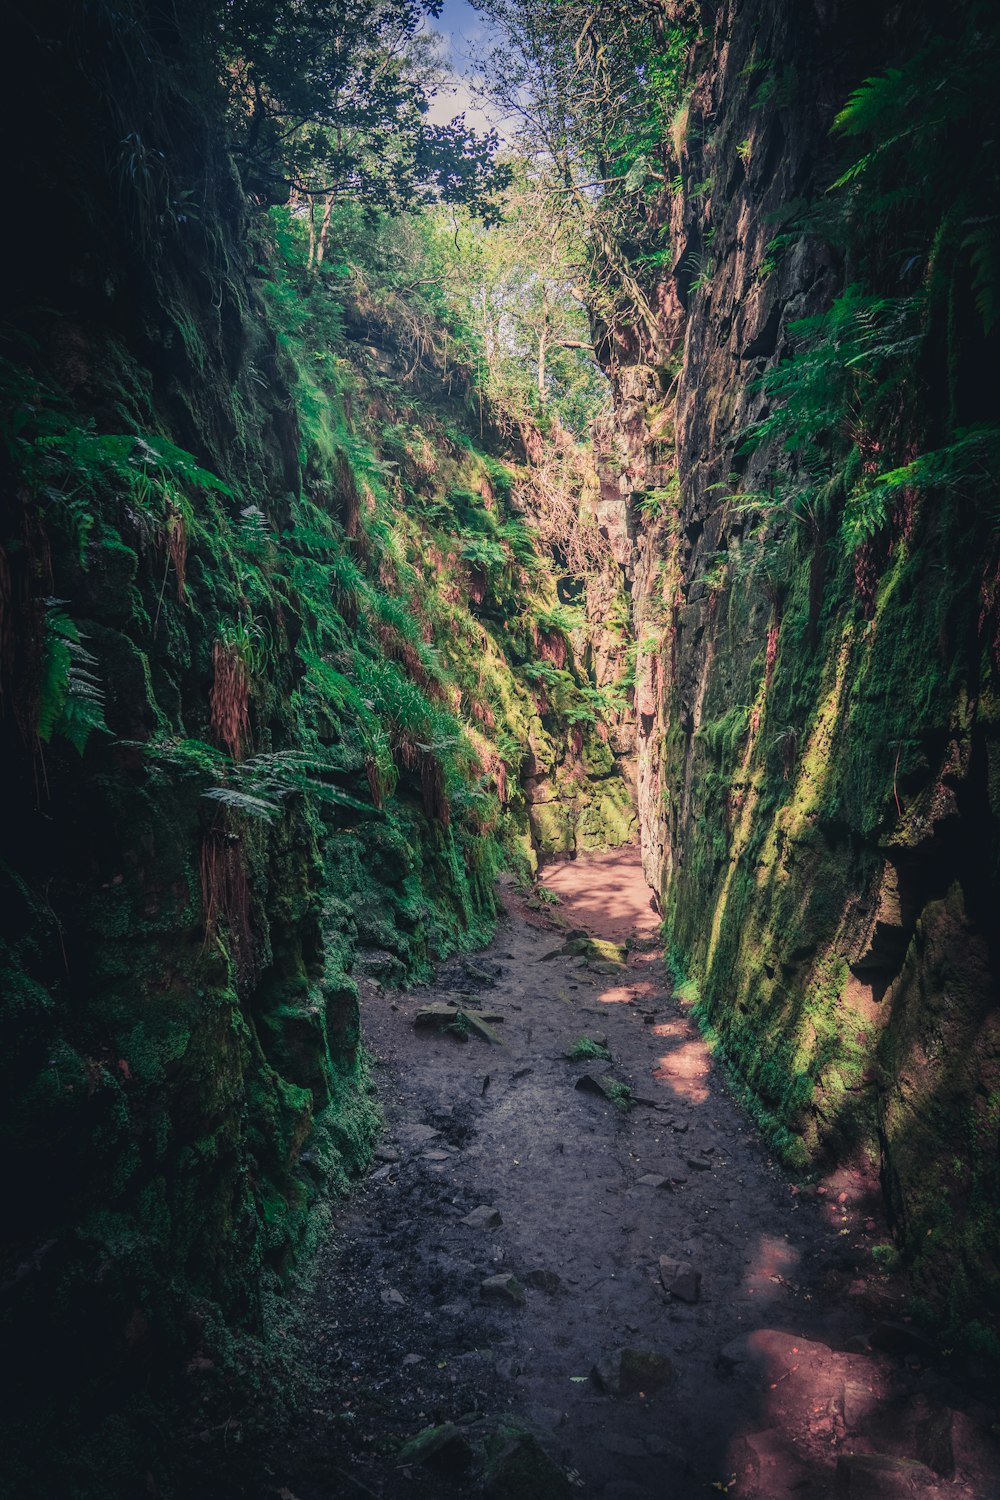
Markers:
<point>592,89</point>
<point>327,101</point>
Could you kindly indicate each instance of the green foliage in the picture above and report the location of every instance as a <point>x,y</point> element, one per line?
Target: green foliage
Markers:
<point>585,1047</point>
<point>886,1257</point>
<point>70,695</point>
<point>331,100</point>
<point>594,94</point>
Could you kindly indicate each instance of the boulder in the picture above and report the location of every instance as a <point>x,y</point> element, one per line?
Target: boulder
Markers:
<point>876,1476</point>
<point>766,1467</point>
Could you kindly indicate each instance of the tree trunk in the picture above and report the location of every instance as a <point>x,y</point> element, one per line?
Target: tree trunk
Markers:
<point>324,229</point>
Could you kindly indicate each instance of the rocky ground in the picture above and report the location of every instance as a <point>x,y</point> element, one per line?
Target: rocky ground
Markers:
<point>574,1265</point>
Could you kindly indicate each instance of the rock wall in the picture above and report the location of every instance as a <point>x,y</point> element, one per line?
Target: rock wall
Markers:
<point>266,617</point>
<point>817,709</point>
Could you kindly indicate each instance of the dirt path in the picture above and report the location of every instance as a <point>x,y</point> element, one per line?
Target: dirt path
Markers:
<point>590,1196</point>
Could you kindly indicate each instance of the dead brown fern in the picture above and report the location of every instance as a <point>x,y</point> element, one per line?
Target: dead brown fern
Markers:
<point>229,700</point>
<point>435,797</point>
<point>225,896</point>
<point>177,545</point>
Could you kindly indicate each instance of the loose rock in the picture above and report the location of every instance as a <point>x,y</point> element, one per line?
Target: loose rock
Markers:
<point>680,1279</point>
<point>625,1371</point>
<point>483,1217</point>
<point>445,1448</point>
<point>876,1476</point>
<point>505,1288</point>
<point>522,1470</point>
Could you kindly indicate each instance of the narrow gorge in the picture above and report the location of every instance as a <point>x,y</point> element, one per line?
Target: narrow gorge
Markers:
<point>484,594</point>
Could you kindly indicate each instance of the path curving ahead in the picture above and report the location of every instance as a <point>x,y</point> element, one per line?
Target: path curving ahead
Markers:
<point>753,1377</point>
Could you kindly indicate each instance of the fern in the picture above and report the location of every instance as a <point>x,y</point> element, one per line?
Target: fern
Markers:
<point>255,533</point>
<point>243,802</point>
<point>70,695</point>
<point>971,464</point>
<point>983,245</point>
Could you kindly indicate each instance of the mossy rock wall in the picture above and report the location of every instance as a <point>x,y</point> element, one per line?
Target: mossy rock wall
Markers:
<point>817,720</point>
<point>251,509</point>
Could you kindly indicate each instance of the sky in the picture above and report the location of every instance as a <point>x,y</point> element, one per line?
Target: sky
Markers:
<point>462,28</point>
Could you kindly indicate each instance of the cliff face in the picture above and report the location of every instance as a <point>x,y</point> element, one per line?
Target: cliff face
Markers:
<point>276,650</point>
<point>816,683</point>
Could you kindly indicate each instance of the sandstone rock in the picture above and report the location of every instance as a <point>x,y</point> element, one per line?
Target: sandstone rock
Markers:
<point>934,1442</point>
<point>483,1217</point>
<point>591,1083</point>
<point>625,1371</point>
<point>876,1476</point>
<point>767,1354</point>
<point>445,1448</point>
<point>680,1279</point>
<point>503,1288</point>
<point>766,1466</point>
<point>522,1470</point>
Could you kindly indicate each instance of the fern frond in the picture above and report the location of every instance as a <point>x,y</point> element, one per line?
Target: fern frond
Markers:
<point>244,802</point>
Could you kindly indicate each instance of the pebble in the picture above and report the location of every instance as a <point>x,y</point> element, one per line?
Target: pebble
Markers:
<point>483,1217</point>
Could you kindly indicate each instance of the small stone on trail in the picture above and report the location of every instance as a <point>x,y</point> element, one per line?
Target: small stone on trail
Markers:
<point>651,1180</point>
<point>593,1083</point>
<point>483,1217</point>
<point>417,1134</point>
<point>394,1297</point>
<point>460,1022</point>
<point>504,1288</point>
<point>386,1153</point>
<point>481,975</point>
<point>680,1279</point>
<point>437,1155</point>
<point>698,1164</point>
<point>625,1371</point>
<point>412,1359</point>
<point>545,1281</point>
